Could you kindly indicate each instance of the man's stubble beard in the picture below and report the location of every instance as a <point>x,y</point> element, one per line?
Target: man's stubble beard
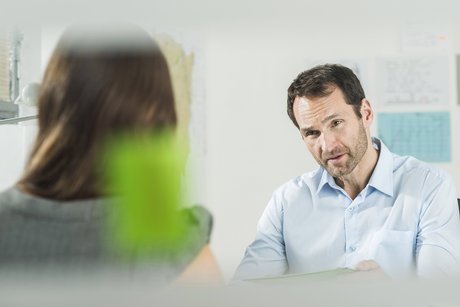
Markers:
<point>355,155</point>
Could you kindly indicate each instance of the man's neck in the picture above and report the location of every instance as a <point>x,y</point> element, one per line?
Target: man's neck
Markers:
<point>357,180</point>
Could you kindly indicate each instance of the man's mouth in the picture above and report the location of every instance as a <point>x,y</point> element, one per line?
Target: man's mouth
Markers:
<point>335,158</point>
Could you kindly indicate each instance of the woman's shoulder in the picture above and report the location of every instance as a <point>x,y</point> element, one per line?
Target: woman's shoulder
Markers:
<point>11,198</point>
<point>8,195</point>
<point>15,201</point>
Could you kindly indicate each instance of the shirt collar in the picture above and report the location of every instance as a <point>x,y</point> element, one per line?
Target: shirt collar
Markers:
<point>382,176</point>
<point>325,180</point>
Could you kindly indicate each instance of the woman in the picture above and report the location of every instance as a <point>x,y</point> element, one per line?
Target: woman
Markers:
<point>97,84</point>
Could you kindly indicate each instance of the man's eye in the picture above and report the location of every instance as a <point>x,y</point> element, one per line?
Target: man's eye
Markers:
<point>335,123</point>
<point>311,134</point>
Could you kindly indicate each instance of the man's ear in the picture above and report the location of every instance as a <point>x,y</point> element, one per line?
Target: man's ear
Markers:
<point>367,114</point>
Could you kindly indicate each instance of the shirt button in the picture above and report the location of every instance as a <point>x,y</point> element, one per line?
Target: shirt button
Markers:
<point>352,248</point>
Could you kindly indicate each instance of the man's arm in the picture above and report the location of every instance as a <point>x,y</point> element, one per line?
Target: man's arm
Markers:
<point>266,255</point>
<point>438,238</point>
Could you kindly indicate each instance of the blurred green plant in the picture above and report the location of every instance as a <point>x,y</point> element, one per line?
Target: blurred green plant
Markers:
<point>144,175</point>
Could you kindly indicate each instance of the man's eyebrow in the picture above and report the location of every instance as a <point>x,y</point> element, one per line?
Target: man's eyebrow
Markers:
<point>329,117</point>
<point>325,120</point>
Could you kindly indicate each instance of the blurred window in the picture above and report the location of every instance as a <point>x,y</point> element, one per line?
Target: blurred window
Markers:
<point>10,42</point>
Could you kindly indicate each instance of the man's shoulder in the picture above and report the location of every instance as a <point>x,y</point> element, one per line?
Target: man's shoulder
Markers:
<point>411,166</point>
<point>306,182</point>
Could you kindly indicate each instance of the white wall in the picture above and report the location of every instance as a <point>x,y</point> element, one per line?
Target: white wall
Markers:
<point>252,51</point>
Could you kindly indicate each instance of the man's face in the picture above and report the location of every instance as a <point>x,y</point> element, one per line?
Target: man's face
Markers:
<point>334,135</point>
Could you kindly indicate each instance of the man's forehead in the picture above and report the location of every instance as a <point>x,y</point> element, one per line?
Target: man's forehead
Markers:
<point>303,103</point>
<point>311,112</point>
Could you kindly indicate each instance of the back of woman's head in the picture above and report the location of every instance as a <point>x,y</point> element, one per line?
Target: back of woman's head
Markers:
<point>99,82</point>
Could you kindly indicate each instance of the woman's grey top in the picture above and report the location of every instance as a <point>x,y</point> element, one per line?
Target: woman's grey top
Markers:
<point>38,233</point>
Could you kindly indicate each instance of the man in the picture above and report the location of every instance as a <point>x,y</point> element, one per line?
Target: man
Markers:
<point>363,205</point>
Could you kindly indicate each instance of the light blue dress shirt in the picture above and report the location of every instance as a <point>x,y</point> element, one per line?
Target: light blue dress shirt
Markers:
<point>406,219</point>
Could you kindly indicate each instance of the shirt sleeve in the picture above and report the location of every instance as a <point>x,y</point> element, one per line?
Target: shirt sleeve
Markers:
<point>266,255</point>
<point>438,237</point>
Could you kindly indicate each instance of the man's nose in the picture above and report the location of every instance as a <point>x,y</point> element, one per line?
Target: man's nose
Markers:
<point>328,141</point>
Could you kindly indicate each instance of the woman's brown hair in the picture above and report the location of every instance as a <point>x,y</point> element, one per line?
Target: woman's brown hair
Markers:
<point>97,83</point>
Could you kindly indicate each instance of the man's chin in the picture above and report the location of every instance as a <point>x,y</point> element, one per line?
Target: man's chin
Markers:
<point>336,172</point>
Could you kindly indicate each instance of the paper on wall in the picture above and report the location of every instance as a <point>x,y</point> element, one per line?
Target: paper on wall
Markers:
<point>424,135</point>
<point>413,80</point>
<point>425,37</point>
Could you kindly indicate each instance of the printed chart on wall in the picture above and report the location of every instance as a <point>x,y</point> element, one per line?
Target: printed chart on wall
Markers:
<point>413,80</point>
<point>424,135</point>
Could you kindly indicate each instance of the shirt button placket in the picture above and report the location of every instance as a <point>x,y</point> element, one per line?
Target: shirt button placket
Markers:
<point>350,242</point>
